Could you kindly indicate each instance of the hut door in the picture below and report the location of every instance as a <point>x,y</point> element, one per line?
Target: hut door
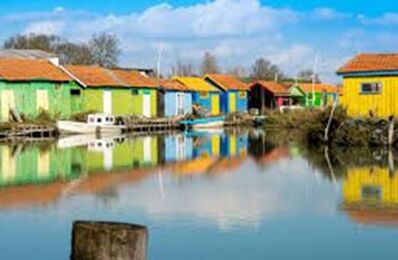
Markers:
<point>43,164</point>
<point>232,102</point>
<point>7,103</point>
<point>107,102</point>
<point>215,104</point>
<point>180,104</point>
<point>147,149</point>
<point>42,100</point>
<point>146,105</point>
<point>8,166</point>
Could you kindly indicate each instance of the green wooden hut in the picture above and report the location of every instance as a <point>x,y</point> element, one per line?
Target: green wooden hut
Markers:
<point>31,86</point>
<point>116,91</point>
<point>315,95</point>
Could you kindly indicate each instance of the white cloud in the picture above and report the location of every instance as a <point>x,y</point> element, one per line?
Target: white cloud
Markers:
<point>45,27</point>
<point>386,19</point>
<point>328,14</point>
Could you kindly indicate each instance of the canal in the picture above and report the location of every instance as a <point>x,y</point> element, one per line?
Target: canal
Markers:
<point>221,195</point>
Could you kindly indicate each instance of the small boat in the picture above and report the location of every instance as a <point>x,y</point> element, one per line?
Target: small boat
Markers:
<point>96,124</point>
<point>203,123</point>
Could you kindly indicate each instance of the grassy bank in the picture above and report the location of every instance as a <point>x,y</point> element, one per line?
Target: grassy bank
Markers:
<point>309,126</point>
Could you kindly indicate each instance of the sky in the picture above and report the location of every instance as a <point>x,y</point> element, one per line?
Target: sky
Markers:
<point>291,34</point>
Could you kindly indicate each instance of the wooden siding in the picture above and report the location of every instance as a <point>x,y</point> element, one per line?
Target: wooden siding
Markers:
<point>58,98</point>
<point>382,104</point>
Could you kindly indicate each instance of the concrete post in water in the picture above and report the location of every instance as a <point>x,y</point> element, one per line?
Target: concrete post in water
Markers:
<point>391,121</point>
<point>107,240</point>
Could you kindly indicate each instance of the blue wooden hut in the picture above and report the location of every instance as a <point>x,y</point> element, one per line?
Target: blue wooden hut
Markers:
<point>234,93</point>
<point>203,94</point>
<point>174,99</point>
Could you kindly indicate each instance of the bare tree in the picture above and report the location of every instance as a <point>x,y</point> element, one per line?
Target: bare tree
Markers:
<point>105,49</point>
<point>307,75</point>
<point>75,54</point>
<point>182,69</point>
<point>238,71</point>
<point>209,64</point>
<point>42,42</point>
<point>263,69</point>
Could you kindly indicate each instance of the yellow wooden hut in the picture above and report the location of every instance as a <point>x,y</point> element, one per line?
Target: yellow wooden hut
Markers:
<point>370,85</point>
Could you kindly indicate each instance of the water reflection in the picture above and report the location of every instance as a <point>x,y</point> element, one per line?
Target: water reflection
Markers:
<point>209,188</point>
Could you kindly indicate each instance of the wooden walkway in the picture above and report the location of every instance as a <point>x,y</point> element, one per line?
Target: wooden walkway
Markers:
<point>28,131</point>
<point>150,125</point>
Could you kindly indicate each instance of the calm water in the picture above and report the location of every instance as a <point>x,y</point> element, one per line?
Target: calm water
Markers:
<point>202,196</point>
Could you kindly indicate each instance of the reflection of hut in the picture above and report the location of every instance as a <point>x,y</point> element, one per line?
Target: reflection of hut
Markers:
<point>371,195</point>
<point>31,195</point>
<point>196,167</point>
<point>177,148</point>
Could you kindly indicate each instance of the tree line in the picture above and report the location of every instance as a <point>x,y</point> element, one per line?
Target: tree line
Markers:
<point>104,50</point>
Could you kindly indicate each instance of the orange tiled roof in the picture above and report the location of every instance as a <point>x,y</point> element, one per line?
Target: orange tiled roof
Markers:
<point>14,69</point>
<point>94,76</point>
<point>134,78</point>
<point>274,87</point>
<point>367,62</point>
<point>172,84</point>
<point>227,82</point>
<point>319,87</point>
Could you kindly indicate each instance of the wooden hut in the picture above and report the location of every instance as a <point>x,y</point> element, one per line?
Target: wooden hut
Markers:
<point>203,94</point>
<point>31,86</point>
<point>318,94</point>
<point>117,91</point>
<point>268,95</point>
<point>370,85</point>
<point>174,99</point>
<point>234,93</point>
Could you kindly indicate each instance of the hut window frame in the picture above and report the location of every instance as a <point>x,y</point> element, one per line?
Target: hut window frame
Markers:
<point>135,92</point>
<point>75,92</point>
<point>242,94</point>
<point>203,94</point>
<point>371,88</point>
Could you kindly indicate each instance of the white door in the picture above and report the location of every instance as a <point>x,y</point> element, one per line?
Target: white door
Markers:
<point>180,104</point>
<point>7,103</point>
<point>42,100</point>
<point>146,105</point>
<point>180,147</point>
<point>147,149</point>
<point>108,102</point>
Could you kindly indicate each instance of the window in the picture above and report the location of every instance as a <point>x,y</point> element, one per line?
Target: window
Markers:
<point>371,192</point>
<point>371,88</point>
<point>134,92</point>
<point>99,120</point>
<point>75,92</point>
<point>242,94</point>
<point>203,94</point>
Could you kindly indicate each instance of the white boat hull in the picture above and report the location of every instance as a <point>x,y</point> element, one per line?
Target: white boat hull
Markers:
<point>70,127</point>
<point>216,124</point>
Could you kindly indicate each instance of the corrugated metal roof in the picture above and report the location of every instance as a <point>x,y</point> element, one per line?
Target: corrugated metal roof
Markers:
<point>272,86</point>
<point>26,54</point>
<point>197,84</point>
<point>227,82</point>
<point>172,84</point>
<point>12,69</point>
<point>371,62</point>
<point>94,76</point>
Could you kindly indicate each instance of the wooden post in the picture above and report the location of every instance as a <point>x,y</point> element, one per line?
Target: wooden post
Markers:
<point>391,121</point>
<point>107,240</point>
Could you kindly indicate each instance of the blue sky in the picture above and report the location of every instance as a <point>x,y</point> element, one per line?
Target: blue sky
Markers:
<point>289,33</point>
